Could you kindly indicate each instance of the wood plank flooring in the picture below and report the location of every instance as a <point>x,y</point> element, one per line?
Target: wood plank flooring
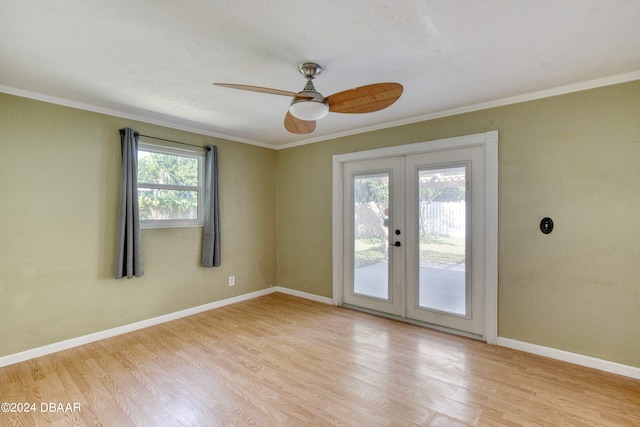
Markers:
<point>284,361</point>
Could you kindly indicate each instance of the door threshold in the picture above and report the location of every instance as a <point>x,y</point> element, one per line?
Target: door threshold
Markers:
<point>415,322</point>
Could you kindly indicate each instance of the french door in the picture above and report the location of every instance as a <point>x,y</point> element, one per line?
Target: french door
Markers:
<point>374,212</point>
<point>414,236</point>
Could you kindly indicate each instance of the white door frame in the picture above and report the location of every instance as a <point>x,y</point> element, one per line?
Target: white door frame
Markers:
<point>489,142</point>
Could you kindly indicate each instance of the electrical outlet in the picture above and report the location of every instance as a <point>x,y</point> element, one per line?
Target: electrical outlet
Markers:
<point>232,280</point>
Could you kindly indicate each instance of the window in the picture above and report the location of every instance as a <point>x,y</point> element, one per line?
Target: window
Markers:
<point>170,189</point>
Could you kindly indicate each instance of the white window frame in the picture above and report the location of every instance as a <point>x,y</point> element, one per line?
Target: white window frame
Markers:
<point>174,223</point>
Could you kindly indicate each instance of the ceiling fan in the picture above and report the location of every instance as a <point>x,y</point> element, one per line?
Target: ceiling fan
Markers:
<point>309,105</point>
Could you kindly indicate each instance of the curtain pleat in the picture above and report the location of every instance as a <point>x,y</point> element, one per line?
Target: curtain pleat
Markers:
<point>128,243</point>
<point>211,230</point>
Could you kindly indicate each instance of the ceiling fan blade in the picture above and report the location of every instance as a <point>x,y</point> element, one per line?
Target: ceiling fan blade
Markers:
<point>365,99</point>
<point>295,125</point>
<point>263,90</point>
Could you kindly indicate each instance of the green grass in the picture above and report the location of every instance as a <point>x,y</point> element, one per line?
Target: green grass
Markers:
<point>433,250</point>
<point>442,250</point>
<point>369,251</point>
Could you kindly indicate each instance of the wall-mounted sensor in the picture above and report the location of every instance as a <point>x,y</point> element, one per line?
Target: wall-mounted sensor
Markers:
<point>546,225</point>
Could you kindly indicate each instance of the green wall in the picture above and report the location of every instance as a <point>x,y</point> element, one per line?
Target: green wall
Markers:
<point>59,175</point>
<point>575,158</point>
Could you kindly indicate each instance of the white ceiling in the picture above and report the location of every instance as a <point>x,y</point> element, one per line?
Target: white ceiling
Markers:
<point>155,60</point>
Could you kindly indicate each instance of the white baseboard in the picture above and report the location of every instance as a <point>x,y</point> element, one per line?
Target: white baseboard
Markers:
<point>86,339</point>
<point>553,353</point>
<point>577,359</point>
<point>305,295</point>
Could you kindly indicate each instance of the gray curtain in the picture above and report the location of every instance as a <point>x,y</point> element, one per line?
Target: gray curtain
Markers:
<point>128,249</point>
<point>211,229</point>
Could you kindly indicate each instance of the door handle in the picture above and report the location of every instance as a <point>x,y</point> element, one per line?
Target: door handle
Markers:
<point>396,244</point>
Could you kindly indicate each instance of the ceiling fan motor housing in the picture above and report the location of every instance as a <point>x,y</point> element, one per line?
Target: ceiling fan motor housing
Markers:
<point>305,108</point>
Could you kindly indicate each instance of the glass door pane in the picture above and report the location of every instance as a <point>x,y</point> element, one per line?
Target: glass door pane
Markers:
<point>371,235</point>
<point>442,278</point>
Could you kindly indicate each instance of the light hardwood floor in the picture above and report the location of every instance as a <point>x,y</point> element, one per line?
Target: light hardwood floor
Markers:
<point>284,361</point>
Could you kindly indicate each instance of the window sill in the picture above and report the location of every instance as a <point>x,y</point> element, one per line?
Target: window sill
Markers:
<point>168,224</point>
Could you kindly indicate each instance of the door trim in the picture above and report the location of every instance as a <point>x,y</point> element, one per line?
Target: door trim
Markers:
<point>489,142</point>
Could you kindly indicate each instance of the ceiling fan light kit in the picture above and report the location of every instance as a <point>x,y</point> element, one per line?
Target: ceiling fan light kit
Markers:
<point>309,105</point>
<point>306,109</point>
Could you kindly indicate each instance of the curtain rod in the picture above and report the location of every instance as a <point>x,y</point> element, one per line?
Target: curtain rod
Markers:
<point>175,142</point>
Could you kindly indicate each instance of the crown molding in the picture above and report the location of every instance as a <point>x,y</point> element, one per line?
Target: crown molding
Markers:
<point>121,114</point>
<point>531,96</point>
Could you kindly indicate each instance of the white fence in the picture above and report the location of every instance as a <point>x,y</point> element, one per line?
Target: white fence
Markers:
<point>435,219</point>
<point>442,219</point>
